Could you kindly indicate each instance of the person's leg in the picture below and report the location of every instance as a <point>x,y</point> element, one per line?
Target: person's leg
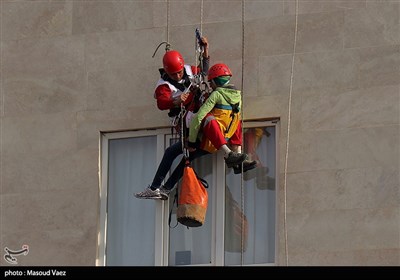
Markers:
<point>170,154</point>
<point>212,131</point>
<point>153,191</point>
<point>236,139</point>
<point>236,144</point>
<point>178,172</point>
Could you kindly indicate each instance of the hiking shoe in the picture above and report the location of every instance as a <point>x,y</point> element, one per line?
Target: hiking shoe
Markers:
<point>148,193</point>
<point>164,193</point>
<point>247,165</point>
<point>234,159</point>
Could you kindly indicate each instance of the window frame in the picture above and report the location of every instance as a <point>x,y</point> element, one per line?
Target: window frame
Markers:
<point>105,137</point>
<point>162,209</point>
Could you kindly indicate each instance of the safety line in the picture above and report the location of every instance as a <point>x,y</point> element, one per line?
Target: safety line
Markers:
<point>197,54</point>
<point>168,21</point>
<point>201,17</point>
<point>2,114</point>
<point>242,111</point>
<point>288,135</point>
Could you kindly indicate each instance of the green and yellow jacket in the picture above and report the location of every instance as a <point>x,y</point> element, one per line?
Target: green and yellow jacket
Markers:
<point>224,103</point>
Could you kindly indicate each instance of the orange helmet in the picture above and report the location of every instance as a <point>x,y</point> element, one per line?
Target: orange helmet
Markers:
<point>218,70</point>
<point>173,62</point>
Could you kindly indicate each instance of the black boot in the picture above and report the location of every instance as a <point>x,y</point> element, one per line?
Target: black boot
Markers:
<point>235,159</point>
<point>247,165</point>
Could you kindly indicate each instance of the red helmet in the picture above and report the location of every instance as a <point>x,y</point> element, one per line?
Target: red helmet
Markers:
<point>173,62</point>
<point>218,70</point>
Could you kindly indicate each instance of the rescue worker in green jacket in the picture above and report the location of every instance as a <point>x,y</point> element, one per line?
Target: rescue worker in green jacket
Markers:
<point>221,111</point>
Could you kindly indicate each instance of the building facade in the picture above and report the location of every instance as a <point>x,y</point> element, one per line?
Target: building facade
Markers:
<point>80,132</point>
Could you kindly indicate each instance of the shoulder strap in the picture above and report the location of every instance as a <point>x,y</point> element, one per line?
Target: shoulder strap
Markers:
<point>235,109</point>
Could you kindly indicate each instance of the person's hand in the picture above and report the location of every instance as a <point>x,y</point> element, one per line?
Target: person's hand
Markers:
<point>181,98</point>
<point>191,147</point>
<point>195,89</point>
<point>184,96</point>
<point>204,43</point>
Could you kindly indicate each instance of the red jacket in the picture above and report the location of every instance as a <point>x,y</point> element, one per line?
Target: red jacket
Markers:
<point>164,95</point>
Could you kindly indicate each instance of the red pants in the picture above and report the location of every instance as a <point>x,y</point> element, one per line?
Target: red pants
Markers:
<point>212,131</point>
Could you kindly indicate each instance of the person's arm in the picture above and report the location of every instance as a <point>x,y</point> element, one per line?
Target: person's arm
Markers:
<point>206,56</point>
<point>195,124</point>
<point>204,43</point>
<point>205,62</point>
<point>164,98</point>
<point>206,65</point>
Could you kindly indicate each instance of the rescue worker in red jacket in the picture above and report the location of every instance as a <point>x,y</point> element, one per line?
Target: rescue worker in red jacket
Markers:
<point>175,84</point>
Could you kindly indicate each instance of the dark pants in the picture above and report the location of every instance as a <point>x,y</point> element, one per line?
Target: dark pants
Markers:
<point>170,154</point>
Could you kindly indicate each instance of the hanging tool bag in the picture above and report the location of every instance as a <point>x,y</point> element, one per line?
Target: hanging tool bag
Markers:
<point>193,199</point>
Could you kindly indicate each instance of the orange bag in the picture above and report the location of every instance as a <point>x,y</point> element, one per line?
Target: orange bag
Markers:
<point>193,199</point>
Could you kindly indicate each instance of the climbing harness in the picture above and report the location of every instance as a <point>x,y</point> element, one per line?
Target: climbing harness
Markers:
<point>234,112</point>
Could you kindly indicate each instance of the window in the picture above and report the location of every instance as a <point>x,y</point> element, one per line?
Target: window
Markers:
<point>250,209</point>
<point>240,226</point>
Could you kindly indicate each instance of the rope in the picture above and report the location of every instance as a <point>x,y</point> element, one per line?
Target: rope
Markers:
<point>183,128</point>
<point>241,177</point>
<point>2,113</point>
<point>198,53</point>
<point>167,44</point>
<point>200,77</point>
<point>288,136</point>
<point>201,17</point>
<point>168,21</point>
